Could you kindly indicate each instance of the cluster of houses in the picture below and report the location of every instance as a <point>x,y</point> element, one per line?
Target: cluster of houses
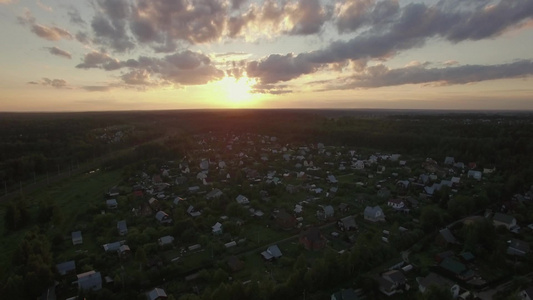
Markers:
<point>247,156</point>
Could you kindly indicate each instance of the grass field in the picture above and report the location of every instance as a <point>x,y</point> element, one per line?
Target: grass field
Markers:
<point>74,197</point>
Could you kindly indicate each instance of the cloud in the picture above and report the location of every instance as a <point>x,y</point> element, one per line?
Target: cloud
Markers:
<point>380,75</point>
<point>75,17</point>
<point>83,38</point>
<point>44,6</point>
<point>6,1</point>
<point>59,52</point>
<point>183,68</point>
<point>236,4</point>
<point>110,25</point>
<point>96,88</point>
<point>406,28</point>
<point>57,83</point>
<point>33,82</point>
<point>51,33</point>
<point>99,60</point>
<point>307,17</point>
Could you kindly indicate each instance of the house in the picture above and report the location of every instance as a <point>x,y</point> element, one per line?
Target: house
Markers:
<point>500,219</point>
<point>154,203</point>
<point>285,220</point>
<point>235,264</point>
<point>456,268</point>
<point>438,281</point>
<point>392,282</point>
<point>124,251</point>
<point>332,179</point>
<point>447,237</point>
<point>111,203</point>
<point>312,239</point>
<point>344,207</point>
<point>326,212</point>
<point>77,239</point>
<point>474,174</point>
<point>122,227</point>
<point>215,193</point>
<point>165,240</point>
<point>217,228</point>
<point>344,294</point>
<point>113,192</point>
<point>66,267</point>
<point>156,294</point>
<point>374,214</point>
<point>449,160</point>
<point>403,184</point>
<point>242,199</point>
<point>272,252</point>
<point>90,281</point>
<point>347,223</point>
<point>359,165</point>
<point>112,247</point>
<point>517,247</point>
<point>396,203</point>
<point>163,217</point>
<point>192,212</point>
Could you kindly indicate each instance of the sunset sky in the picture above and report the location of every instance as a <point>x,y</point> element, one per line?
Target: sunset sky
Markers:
<point>93,55</point>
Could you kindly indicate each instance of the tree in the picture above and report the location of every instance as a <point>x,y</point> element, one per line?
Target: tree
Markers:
<point>436,293</point>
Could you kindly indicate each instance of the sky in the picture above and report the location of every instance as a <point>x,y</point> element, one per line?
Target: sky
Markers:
<point>100,55</point>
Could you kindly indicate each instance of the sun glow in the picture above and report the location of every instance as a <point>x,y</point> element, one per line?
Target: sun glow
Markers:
<point>238,92</point>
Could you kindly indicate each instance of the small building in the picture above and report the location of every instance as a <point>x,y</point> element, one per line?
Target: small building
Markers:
<point>215,193</point>
<point>217,228</point>
<point>392,282</point>
<point>474,174</point>
<point>165,240</point>
<point>518,247</point>
<point>345,294</point>
<point>312,239</point>
<point>124,251</point>
<point>397,204</point>
<point>347,223</point>
<point>90,281</point>
<point>434,279</point>
<point>332,179</point>
<point>374,214</point>
<point>447,237</point>
<point>67,267</point>
<point>272,252</point>
<point>449,160</point>
<point>156,294</point>
<point>77,239</point>
<point>163,217</point>
<point>456,268</point>
<point>112,247</point>
<point>325,213</point>
<point>122,227</point>
<point>500,219</point>
<point>242,200</point>
<point>111,203</point>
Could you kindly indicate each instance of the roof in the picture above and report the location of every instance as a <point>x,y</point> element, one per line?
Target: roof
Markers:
<point>371,211</point>
<point>65,267</point>
<point>112,246</point>
<point>165,240</point>
<point>448,236</point>
<point>76,235</point>
<point>217,226</point>
<point>435,279</point>
<point>349,222</point>
<point>394,276</point>
<point>90,280</point>
<point>111,202</point>
<point>121,225</point>
<point>328,210</point>
<point>214,194</point>
<point>161,215</point>
<point>272,251</point>
<point>347,294</point>
<point>518,247</point>
<point>124,248</point>
<point>503,218</point>
<point>453,266</point>
<point>156,294</point>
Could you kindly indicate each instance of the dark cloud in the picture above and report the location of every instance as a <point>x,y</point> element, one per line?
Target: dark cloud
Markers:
<point>57,83</point>
<point>236,4</point>
<point>33,82</point>
<point>356,14</point>
<point>59,52</point>
<point>99,60</point>
<point>83,38</point>
<point>308,17</point>
<point>411,27</point>
<point>380,76</point>
<point>97,88</point>
<point>110,27</point>
<point>137,77</point>
<point>75,17</point>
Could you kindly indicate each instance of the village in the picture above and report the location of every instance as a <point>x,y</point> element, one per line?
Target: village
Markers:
<point>248,209</point>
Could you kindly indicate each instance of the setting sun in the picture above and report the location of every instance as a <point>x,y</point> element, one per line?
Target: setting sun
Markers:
<point>237,93</point>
